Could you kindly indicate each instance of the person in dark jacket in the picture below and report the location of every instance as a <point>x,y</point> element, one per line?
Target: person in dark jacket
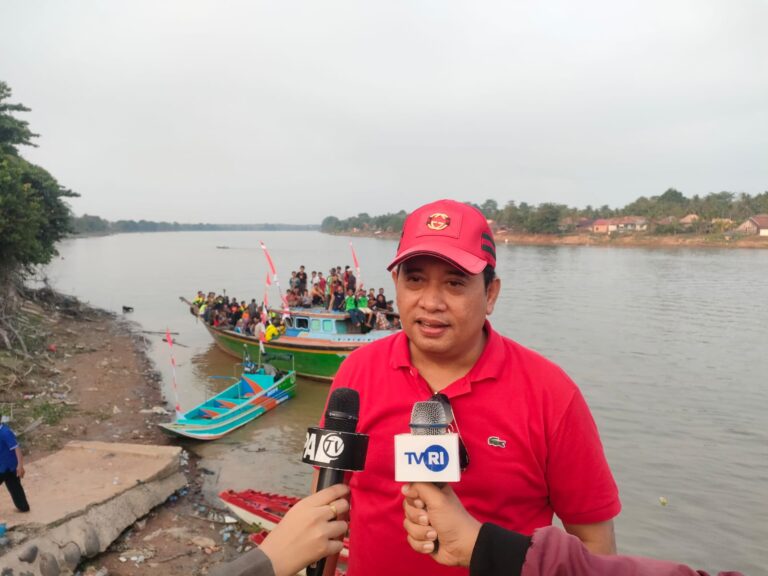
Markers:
<point>435,514</point>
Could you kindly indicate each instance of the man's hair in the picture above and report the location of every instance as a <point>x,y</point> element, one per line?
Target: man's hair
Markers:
<point>489,273</point>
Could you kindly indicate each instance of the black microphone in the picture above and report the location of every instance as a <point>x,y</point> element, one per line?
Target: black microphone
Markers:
<point>336,449</point>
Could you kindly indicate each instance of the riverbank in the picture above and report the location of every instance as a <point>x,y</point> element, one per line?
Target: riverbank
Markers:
<point>88,377</point>
<point>616,240</point>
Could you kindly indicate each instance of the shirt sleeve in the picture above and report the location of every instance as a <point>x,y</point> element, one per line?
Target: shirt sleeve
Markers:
<point>581,486</point>
<point>555,552</point>
<point>252,563</point>
<point>8,438</point>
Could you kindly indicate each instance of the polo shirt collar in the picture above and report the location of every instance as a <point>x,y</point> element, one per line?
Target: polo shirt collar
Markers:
<point>489,365</point>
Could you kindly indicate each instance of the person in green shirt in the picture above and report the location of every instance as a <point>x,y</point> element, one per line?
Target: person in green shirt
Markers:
<point>362,305</point>
<point>350,307</point>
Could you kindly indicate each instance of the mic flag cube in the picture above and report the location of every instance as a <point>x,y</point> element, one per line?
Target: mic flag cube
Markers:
<point>335,449</point>
<point>427,458</point>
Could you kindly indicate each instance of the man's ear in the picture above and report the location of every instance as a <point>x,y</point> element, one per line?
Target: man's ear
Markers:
<point>492,294</point>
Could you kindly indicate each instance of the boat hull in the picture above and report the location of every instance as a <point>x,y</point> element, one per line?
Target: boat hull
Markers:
<point>314,358</point>
<point>199,428</point>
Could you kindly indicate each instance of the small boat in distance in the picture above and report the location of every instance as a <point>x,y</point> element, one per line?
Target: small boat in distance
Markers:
<point>259,389</point>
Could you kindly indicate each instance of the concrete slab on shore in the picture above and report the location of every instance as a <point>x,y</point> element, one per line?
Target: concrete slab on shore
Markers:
<point>81,499</point>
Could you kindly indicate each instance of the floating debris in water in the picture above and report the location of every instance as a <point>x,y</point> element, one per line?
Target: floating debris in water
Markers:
<point>663,501</point>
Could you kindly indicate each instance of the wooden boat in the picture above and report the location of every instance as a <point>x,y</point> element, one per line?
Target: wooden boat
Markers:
<point>319,340</point>
<point>264,510</point>
<point>259,389</point>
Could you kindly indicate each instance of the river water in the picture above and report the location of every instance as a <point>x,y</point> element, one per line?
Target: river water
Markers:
<point>670,347</point>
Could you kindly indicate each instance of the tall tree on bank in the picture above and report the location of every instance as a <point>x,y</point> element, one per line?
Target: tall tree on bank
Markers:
<point>33,213</point>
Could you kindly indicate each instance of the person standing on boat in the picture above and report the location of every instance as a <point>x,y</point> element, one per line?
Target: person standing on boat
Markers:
<point>12,467</point>
<point>302,277</point>
<point>532,447</point>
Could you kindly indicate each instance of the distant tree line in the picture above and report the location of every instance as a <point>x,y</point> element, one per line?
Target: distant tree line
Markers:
<point>91,225</point>
<point>550,218</point>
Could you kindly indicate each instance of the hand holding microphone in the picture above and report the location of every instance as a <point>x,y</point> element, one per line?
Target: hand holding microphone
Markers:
<point>429,453</point>
<point>310,530</point>
<point>431,511</point>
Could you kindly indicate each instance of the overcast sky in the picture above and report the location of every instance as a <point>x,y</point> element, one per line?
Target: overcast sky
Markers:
<point>250,111</point>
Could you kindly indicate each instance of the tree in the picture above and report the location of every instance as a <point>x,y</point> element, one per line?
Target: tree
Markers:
<point>33,214</point>
<point>329,224</point>
<point>490,209</point>
<point>544,220</point>
<point>13,132</point>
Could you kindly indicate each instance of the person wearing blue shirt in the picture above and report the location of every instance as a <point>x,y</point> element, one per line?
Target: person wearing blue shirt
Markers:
<point>12,467</point>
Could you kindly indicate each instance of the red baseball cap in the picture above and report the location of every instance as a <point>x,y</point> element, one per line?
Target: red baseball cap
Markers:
<point>449,230</point>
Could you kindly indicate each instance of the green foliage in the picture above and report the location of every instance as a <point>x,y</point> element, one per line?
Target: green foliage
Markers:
<point>33,214</point>
<point>50,413</point>
<point>87,224</point>
<point>13,132</point>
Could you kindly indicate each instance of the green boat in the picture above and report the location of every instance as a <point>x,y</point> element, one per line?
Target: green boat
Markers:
<point>318,340</point>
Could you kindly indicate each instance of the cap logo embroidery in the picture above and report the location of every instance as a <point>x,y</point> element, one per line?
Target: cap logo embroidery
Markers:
<point>438,221</point>
<point>497,442</point>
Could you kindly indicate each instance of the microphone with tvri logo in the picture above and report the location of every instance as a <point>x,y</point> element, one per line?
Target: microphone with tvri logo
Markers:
<point>429,453</point>
<point>335,450</point>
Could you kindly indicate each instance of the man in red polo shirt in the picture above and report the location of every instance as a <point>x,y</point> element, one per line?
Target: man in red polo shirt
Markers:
<point>533,446</point>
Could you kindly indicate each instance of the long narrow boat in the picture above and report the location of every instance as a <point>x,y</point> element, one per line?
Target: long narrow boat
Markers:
<point>318,339</point>
<point>258,390</point>
<point>264,510</point>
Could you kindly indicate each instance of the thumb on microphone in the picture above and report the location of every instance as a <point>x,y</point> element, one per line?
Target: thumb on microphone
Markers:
<point>437,513</point>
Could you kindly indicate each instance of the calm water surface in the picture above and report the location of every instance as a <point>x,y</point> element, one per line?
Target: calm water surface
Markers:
<point>670,348</point>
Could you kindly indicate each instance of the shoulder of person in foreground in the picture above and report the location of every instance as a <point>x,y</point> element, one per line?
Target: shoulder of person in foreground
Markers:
<point>433,513</point>
<point>252,563</point>
<point>552,552</point>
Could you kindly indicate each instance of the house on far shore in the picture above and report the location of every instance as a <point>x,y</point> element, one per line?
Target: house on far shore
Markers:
<point>603,226</point>
<point>755,225</point>
<point>631,224</point>
<point>623,224</point>
<point>689,220</point>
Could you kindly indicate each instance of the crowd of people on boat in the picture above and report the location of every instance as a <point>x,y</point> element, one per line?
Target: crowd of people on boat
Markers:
<point>337,292</point>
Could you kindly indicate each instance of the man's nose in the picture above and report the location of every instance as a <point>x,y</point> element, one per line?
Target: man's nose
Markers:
<point>432,297</point>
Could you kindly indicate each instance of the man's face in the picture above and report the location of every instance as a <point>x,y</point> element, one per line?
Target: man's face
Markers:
<point>442,309</point>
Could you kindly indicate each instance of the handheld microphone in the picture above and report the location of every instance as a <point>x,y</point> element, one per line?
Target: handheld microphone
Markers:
<point>335,449</point>
<point>429,453</point>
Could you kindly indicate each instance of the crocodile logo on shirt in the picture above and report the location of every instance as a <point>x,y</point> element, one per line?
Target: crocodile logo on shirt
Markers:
<point>497,442</point>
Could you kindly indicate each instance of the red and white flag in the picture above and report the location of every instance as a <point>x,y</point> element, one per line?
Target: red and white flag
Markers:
<point>357,266</point>
<point>169,339</point>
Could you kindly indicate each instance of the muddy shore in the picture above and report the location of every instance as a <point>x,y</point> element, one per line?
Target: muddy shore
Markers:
<point>88,377</point>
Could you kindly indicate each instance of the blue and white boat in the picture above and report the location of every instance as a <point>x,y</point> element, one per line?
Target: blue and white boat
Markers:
<point>259,389</point>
